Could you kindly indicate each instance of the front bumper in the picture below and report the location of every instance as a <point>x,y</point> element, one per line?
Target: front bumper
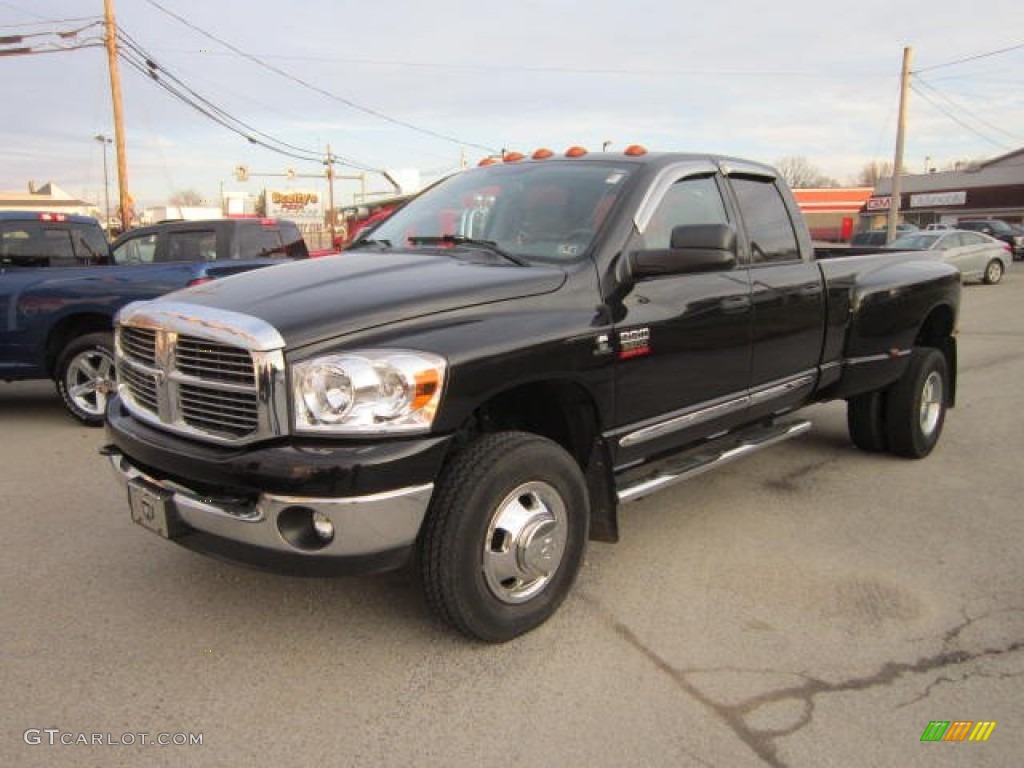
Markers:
<point>373,532</point>
<point>267,506</point>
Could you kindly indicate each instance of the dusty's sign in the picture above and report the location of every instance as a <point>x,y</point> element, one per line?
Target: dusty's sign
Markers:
<point>294,204</point>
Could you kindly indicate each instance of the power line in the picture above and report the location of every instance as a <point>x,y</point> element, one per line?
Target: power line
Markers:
<point>970,58</point>
<point>971,114</point>
<point>334,97</point>
<point>138,59</point>
<point>956,119</point>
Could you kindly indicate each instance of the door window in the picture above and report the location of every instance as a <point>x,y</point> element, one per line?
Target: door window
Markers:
<point>772,237</point>
<point>687,202</point>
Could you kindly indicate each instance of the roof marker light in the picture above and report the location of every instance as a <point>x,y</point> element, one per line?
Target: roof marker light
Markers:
<point>488,161</point>
<point>514,157</point>
<point>635,150</point>
<point>575,152</point>
<point>543,154</point>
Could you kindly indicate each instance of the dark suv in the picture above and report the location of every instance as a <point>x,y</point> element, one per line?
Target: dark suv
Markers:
<point>998,229</point>
<point>33,239</point>
<point>210,240</point>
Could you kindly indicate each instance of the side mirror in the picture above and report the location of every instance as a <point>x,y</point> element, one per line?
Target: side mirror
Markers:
<point>694,248</point>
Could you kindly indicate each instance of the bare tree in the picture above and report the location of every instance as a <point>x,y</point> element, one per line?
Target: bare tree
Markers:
<point>800,173</point>
<point>186,197</point>
<point>871,173</point>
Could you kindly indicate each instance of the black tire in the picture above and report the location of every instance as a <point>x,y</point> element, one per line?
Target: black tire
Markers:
<point>510,505</point>
<point>915,406</point>
<point>865,419</point>
<point>85,376</point>
<point>993,272</point>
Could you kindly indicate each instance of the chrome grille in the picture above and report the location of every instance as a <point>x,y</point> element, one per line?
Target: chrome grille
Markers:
<point>142,386</point>
<point>216,362</point>
<point>211,410</point>
<point>139,344</point>
<point>209,374</point>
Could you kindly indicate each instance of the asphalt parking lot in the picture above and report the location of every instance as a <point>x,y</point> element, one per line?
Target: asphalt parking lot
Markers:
<point>811,606</point>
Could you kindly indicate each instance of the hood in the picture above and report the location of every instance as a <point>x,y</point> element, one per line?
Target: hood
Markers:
<point>308,301</point>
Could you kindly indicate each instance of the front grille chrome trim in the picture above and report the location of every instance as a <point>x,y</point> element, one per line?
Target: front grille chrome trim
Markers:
<point>233,387</point>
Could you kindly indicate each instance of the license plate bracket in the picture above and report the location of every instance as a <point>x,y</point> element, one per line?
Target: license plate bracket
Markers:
<point>153,508</point>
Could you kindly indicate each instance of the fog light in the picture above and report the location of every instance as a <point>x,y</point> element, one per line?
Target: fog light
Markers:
<point>322,526</point>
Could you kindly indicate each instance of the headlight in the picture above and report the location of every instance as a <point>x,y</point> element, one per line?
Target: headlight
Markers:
<point>369,391</point>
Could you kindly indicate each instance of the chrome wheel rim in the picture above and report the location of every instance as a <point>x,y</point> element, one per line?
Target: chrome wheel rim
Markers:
<point>995,271</point>
<point>931,403</point>
<point>525,542</point>
<point>89,380</point>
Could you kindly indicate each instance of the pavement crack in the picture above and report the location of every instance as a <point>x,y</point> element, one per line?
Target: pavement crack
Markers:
<point>762,741</point>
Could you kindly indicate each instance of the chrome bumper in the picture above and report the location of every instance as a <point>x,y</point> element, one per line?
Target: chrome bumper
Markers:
<point>363,525</point>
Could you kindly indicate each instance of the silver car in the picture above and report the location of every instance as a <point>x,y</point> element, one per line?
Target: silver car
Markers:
<point>977,256</point>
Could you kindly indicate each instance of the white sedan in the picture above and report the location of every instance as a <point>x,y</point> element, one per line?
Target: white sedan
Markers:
<point>977,256</point>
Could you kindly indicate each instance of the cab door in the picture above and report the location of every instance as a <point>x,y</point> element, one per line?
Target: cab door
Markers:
<point>683,340</point>
<point>787,295</point>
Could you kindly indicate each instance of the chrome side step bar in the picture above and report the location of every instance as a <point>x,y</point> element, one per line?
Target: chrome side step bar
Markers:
<point>677,470</point>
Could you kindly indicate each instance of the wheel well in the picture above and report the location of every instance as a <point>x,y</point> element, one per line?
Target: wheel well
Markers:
<point>561,411</point>
<point>565,413</point>
<point>70,328</point>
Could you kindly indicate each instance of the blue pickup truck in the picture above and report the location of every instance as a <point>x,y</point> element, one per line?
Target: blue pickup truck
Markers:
<point>61,284</point>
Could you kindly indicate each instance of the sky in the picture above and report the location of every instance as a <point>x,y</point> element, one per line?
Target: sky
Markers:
<point>407,84</point>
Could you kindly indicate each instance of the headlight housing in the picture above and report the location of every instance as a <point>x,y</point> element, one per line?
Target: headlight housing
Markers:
<point>367,392</point>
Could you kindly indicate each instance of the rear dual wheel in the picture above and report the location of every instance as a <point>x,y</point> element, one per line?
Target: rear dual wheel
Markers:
<point>907,418</point>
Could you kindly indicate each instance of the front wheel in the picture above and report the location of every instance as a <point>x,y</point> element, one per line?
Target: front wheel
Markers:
<point>993,272</point>
<point>504,536</point>
<point>915,406</point>
<point>85,376</point>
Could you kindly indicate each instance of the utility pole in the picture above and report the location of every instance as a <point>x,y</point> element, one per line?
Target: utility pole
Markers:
<point>105,141</point>
<point>331,218</point>
<point>901,129</point>
<point>115,96</point>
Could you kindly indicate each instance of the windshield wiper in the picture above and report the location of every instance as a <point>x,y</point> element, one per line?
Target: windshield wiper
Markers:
<point>368,241</point>
<point>487,245</point>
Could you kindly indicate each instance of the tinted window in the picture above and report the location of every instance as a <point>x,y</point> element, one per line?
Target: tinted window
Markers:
<point>28,244</point>
<point>689,201</point>
<point>771,233</point>
<point>193,245</point>
<point>259,241</point>
<point>91,246</point>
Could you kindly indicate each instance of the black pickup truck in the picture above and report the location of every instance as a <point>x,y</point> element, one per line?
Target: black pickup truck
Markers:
<point>61,283</point>
<point>486,375</point>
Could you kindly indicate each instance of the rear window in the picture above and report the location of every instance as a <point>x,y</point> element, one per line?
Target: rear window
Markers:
<point>42,244</point>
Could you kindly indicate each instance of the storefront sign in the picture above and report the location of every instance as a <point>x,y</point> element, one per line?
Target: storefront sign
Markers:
<point>938,199</point>
<point>295,205</point>
<point>878,203</point>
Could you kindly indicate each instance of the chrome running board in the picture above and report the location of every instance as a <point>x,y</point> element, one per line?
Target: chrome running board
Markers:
<point>676,469</point>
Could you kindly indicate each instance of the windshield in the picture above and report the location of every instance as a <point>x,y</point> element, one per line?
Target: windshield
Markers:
<point>545,210</point>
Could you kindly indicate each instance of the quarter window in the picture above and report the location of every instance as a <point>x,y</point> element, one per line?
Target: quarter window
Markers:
<point>772,237</point>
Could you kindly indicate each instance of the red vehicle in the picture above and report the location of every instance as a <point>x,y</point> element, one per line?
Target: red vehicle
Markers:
<point>359,217</point>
